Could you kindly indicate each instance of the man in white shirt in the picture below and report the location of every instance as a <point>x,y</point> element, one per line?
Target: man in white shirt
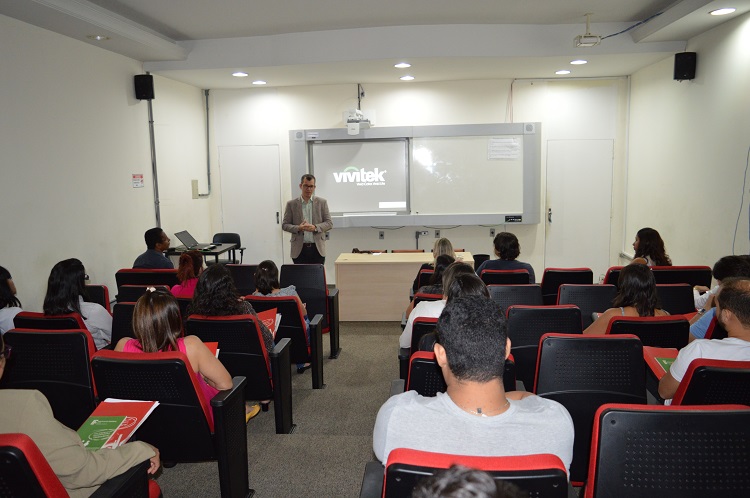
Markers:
<point>733,313</point>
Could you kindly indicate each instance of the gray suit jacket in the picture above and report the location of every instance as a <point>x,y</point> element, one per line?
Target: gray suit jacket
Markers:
<point>321,219</point>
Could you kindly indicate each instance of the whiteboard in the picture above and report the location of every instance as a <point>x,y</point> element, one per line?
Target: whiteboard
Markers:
<point>456,175</point>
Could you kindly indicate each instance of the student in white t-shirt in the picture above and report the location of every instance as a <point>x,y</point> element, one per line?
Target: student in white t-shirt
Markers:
<point>10,306</point>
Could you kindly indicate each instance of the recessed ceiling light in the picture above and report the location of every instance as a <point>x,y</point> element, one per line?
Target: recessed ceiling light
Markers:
<point>239,74</point>
<point>722,12</point>
<point>98,37</point>
<point>562,71</point>
<point>259,82</point>
<point>406,78</point>
<point>402,65</point>
<point>578,62</point>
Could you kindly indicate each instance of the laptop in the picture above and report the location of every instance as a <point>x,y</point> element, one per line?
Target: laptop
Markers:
<point>190,243</point>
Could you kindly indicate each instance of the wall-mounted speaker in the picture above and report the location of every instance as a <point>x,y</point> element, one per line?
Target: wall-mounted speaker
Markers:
<point>144,86</point>
<point>684,65</point>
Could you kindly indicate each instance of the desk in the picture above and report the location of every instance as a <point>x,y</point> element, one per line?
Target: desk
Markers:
<point>215,252</point>
<point>375,287</point>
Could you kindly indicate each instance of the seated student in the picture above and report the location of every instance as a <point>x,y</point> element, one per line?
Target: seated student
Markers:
<point>442,247</point>
<point>188,270</point>
<point>157,326</point>
<point>636,296</point>
<point>507,249</point>
<point>10,306</point>
<point>726,267</point>
<point>432,309</point>
<point>474,416</point>
<point>435,284</point>
<point>649,249</point>
<point>80,471</point>
<point>66,287</point>
<point>733,313</point>
<point>156,243</point>
<point>464,482</point>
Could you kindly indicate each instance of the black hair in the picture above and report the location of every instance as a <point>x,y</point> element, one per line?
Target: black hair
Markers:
<point>441,263</point>
<point>466,284</point>
<point>732,266</point>
<point>734,296</point>
<point>650,244</point>
<point>637,287</point>
<point>507,246</point>
<point>7,298</point>
<point>308,177</point>
<point>215,294</point>
<point>267,277</point>
<point>65,284</point>
<point>472,331</point>
<point>463,482</point>
<point>152,237</point>
<point>454,269</point>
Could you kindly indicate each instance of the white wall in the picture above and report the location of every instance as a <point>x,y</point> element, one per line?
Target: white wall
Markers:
<point>71,135</point>
<point>689,149</point>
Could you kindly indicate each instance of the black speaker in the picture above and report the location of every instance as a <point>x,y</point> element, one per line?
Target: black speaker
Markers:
<point>144,86</point>
<point>684,65</point>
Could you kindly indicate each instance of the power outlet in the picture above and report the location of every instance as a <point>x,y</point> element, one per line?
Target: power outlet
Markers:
<point>381,235</point>
<point>437,234</point>
<point>492,232</point>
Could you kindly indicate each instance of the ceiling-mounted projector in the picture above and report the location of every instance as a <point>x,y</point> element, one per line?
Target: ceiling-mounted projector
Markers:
<point>588,40</point>
<point>355,121</point>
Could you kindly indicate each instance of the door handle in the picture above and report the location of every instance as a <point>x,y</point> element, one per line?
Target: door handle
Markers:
<point>549,215</point>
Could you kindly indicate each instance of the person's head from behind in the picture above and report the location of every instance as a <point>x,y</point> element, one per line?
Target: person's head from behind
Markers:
<point>267,277</point>
<point>731,266</point>
<point>215,293</point>
<point>466,284</point>
<point>156,239</point>
<point>506,246</point>
<point>648,242</point>
<point>156,321</point>
<point>442,262</point>
<point>636,287</point>
<point>463,482</point>
<point>733,304</point>
<point>452,271</point>
<point>442,246</point>
<point>7,290</point>
<point>190,265</point>
<point>472,340</point>
<point>66,282</point>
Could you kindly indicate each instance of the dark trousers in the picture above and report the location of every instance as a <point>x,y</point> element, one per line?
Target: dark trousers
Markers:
<point>309,256</point>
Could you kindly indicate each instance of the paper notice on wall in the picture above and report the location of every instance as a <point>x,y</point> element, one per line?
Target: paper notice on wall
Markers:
<point>137,180</point>
<point>503,148</point>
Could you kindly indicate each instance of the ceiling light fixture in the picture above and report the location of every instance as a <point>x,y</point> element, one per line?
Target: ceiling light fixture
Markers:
<point>406,78</point>
<point>259,82</point>
<point>722,12</point>
<point>239,74</point>
<point>588,40</point>
<point>562,71</point>
<point>98,37</point>
<point>402,65</point>
<point>579,62</point>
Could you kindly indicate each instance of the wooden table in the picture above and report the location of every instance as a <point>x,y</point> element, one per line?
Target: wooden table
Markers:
<point>375,287</point>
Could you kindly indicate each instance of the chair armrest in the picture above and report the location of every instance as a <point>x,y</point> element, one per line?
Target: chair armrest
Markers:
<point>397,386</point>
<point>333,322</point>
<point>132,482</point>
<point>403,362</point>
<point>230,439</point>
<point>372,481</point>
<point>282,386</point>
<point>316,351</point>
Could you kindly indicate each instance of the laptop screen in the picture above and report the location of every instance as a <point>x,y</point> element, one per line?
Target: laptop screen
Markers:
<point>186,239</point>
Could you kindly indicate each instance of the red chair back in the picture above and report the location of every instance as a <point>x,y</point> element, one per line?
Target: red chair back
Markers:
<point>40,321</point>
<point>504,277</point>
<point>658,331</point>
<point>24,471</point>
<point>714,382</point>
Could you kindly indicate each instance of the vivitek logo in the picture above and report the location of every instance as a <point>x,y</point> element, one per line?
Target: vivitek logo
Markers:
<point>361,177</point>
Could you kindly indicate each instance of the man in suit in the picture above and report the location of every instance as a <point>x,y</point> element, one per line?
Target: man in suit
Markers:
<point>80,471</point>
<point>307,219</point>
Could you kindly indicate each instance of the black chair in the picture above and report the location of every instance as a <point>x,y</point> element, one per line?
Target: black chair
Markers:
<point>504,277</point>
<point>292,326</point>
<point>310,282</point>
<point>25,472</point>
<point>612,276</point>
<point>426,378</point>
<point>658,331</point>
<point>527,324</point>
<point>244,278</point>
<point>584,372</point>
<point>692,275</point>
<point>424,276</point>
<point>122,322</point>
<point>714,382</point>
<point>144,276</point>
<point>229,238</point>
<point>421,326</point>
<point>56,363</point>
<point>98,294</point>
<point>243,353</point>
<point>540,476</point>
<point>589,298</point>
<point>131,293</point>
<point>479,259</point>
<point>40,321</point>
<point>509,295</point>
<point>553,278</point>
<point>181,426</point>
<point>677,299</point>
<point>652,451</point>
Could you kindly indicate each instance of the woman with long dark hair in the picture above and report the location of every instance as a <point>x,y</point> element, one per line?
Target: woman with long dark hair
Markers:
<point>435,284</point>
<point>649,248</point>
<point>10,306</point>
<point>636,296</point>
<point>66,288</point>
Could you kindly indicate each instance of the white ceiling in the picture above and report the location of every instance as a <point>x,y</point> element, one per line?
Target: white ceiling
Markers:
<point>308,42</point>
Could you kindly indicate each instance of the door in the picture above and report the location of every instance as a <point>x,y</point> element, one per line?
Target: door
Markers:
<point>579,204</point>
<point>251,199</point>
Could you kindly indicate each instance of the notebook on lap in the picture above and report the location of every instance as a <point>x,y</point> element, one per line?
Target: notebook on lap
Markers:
<point>189,241</point>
